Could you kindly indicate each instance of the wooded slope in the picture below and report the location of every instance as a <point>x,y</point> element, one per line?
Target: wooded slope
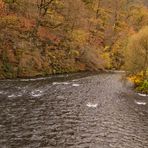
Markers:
<point>41,37</point>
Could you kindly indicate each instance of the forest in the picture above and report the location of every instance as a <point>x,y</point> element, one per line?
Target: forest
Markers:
<point>42,37</point>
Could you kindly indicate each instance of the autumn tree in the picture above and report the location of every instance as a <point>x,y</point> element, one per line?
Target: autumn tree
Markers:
<point>137,52</point>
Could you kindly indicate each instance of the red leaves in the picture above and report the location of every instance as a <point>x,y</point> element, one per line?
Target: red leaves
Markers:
<point>45,34</point>
<point>27,24</point>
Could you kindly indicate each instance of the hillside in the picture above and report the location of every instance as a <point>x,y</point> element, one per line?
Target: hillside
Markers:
<point>45,37</point>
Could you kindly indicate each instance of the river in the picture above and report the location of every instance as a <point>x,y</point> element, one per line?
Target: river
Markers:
<point>72,111</point>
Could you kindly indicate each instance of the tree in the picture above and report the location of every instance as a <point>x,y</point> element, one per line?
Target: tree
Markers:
<point>137,52</point>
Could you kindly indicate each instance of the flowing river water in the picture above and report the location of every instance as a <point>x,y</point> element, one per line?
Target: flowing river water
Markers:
<point>72,111</point>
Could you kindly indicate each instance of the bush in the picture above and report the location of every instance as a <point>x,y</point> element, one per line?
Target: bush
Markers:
<point>143,87</point>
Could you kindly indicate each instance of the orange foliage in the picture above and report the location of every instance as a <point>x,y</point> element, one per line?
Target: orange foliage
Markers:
<point>44,34</point>
<point>2,7</point>
<point>27,24</point>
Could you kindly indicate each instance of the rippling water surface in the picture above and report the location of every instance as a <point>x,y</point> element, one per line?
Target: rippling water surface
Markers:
<point>72,111</point>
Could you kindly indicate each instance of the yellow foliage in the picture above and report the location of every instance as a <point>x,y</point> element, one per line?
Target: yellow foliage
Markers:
<point>54,16</point>
<point>136,52</point>
<point>140,16</point>
<point>106,57</point>
<point>9,20</point>
<point>74,53</point>
<point>137,78</point>
<point>80,36</point>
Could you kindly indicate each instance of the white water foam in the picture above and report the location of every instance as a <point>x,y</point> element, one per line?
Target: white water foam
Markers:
<point>14,95</point>
<point>75,85</point>
<point>26,80</point>
<point>37,93</point>
<point>92,105</point>
<point>60,83</point>
<point>35,79</point>
<point>60,97</point>
<point>140,103</point>
<point>142,95</point>
<point>1,92</point>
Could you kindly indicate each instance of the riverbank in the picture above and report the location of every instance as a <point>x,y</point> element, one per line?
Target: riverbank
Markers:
<point>59,75</point>
<point>140,84</point>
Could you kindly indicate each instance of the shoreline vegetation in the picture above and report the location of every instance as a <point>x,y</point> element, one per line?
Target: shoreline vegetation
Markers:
<point>39,38</point>
<point>137,60</point>
<point>86,72</point>
<point>140,84</point>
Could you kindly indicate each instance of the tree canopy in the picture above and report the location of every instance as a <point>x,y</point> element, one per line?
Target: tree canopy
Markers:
<point>65,35</point>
